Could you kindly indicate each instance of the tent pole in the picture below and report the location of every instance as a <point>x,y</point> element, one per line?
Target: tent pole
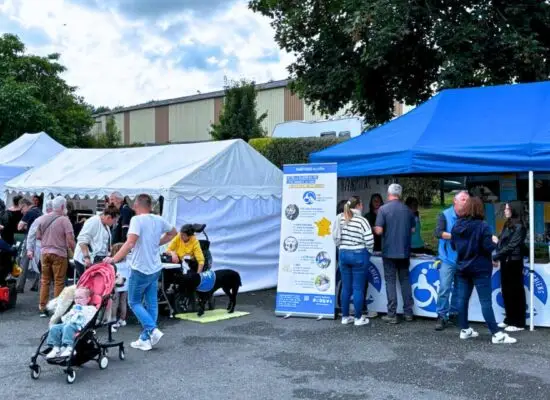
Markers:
<point>531,250</point>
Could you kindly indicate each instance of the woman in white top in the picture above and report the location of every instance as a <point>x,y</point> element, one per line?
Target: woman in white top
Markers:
<point>356,242</point>
<point>94,239</point>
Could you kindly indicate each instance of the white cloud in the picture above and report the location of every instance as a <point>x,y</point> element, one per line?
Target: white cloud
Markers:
<point>117,61</point>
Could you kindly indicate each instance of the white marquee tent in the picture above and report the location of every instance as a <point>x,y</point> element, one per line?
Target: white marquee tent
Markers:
<point>226,185</point>
<point>26,152</point>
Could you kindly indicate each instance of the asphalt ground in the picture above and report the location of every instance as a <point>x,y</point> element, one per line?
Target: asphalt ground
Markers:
<point>261,356</point>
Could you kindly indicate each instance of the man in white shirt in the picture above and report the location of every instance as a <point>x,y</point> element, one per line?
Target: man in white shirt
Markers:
<point>147,232</point>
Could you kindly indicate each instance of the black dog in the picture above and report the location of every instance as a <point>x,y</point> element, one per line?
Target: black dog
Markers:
<point>226,279</point>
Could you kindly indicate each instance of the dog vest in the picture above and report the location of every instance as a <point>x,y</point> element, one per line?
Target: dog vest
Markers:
<point>208,280</point>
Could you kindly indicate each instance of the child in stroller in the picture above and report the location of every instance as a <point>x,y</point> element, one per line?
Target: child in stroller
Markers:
<point>99,280</point>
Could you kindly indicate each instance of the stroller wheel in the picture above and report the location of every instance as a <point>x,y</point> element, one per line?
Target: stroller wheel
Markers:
<point>103,362</point>
<point>121,354</point>
<point>71,377</point>
<point>35,372</point>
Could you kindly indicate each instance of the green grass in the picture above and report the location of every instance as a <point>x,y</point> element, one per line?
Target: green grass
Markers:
<point>428,216</point>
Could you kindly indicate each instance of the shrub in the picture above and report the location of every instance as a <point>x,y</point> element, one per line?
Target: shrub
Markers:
<point>282,151</point>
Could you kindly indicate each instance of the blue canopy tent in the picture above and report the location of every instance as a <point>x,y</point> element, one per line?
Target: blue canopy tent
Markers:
<point>493,129</point>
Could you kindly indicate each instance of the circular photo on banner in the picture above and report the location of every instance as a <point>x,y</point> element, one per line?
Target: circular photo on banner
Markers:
<point>322,282</point>
<point>292,211</point>
<point>290,244</point>
<point>323,260</point>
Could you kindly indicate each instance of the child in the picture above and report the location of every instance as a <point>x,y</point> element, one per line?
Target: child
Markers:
<point>120,303</point>
<point>61,336</point>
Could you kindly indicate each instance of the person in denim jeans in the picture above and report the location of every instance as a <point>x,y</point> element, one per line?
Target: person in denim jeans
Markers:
<point>147,232</point>
<point>472,240</point>
<point>355,242</point>
<point>447,308</point>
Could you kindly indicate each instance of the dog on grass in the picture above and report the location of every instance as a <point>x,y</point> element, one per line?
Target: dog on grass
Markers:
<point>205,285</point>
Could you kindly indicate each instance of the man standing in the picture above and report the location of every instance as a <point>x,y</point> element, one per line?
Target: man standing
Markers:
<point>30,214</point>
<point>447,311</point>
<point>395,223</point>
<point>55,232</point>
<point>147,232</point>
<point>120,229</point>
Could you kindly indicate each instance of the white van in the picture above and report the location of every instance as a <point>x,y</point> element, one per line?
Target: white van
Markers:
<point>346,127</point>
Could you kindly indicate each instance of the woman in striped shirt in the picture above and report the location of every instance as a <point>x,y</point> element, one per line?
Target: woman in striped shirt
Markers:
<point>356,243</point>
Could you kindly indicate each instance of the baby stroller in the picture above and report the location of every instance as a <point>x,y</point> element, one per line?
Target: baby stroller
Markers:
<point>100,280</point>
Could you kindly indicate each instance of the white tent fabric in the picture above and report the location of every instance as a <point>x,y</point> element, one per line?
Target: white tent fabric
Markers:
<point>227,185</point>
<point>26,152</point>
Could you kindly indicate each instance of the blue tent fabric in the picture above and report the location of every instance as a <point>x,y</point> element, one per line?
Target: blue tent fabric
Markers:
<point>476,130</point>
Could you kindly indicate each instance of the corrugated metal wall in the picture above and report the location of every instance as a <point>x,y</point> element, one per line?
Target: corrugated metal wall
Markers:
<point>119,120</point>
<point>142,126</point>
<point>191,121</point>
<point>273,102</point>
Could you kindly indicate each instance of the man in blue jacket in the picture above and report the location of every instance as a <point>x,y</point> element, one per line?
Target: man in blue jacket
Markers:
<point>447,310</point>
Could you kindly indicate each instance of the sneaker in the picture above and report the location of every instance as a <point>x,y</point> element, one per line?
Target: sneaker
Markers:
<point>502,325</point>
<point>156,335</point>
<point>511,328</point>
<point>43,313</point>
<point>502,338</point>
<point>347,320</point>
<point>441,324</point>
<point>409,318</point>
<point>66,352</point>
<point>390,320</point>
<point>144,345</point>
<point>468,334</point>
<point>371,314</point>
<point>121,323</point>
<point>361,321</point>
<point>114,328</point>
<point>53,352</point>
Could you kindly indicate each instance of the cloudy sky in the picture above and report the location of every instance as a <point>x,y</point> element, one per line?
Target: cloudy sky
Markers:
<point>124,52</point>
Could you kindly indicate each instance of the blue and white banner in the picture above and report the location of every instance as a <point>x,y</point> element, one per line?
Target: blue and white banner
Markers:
<point>307,258</point>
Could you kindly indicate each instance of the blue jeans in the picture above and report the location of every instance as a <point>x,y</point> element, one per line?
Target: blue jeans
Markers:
<point>62,335</point>
<point>482,281</point>
<point>353,269</point>
<point>143,289</point>
<point>447,283</point>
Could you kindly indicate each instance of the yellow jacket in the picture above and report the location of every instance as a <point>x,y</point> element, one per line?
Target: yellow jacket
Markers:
<point>191,248</point>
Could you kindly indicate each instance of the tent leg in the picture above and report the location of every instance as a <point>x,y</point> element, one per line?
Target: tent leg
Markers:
<point>531,250</point>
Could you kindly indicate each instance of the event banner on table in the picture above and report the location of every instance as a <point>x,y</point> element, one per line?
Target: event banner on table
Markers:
<point>307,259</point>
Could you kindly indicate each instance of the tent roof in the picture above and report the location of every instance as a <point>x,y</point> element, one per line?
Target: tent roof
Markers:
<point>29,150</point>
<point>209,169</point>
<point>477,130</point>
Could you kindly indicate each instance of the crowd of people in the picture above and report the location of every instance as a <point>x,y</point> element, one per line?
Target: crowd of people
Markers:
<point>467,253</point>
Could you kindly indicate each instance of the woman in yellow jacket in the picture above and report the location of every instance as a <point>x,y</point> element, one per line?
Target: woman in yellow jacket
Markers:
<point>185,246</point>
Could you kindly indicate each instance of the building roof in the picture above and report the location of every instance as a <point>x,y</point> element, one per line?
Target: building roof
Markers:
<point>188,99</point>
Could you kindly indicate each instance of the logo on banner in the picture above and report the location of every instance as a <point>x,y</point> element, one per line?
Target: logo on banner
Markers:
<point>309,197</point>
<point>292,211</point>
<point>540,288</point>
<point>323,260</point>
<point>375,280</point>
<point>290,244</point>
<point>425,285</point>
<point>323,227</point>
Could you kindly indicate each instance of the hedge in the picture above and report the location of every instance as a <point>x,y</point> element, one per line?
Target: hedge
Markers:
<point>282,151</point>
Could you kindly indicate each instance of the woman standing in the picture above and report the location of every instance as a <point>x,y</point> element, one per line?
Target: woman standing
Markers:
<point>472,239</point>
<point>510,255</point>
<point>355,245</point>
<point>376,202</point>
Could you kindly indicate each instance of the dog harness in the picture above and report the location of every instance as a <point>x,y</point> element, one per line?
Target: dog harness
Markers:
<point>208,280</point>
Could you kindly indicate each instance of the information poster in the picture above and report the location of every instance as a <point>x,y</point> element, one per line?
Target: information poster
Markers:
<point>307,259</point>
<point>508,188</point>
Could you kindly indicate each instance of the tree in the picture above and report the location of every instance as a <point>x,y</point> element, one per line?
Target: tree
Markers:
<point>372,53</point>
<point>34,97</point>
<point>110,138</point>
<point>239,118</point>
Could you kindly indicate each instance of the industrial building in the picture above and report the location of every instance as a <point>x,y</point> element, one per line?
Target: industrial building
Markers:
<point>188,119</point>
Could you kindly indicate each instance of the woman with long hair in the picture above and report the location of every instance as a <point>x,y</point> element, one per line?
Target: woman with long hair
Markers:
<point>510,255</point>
<point>472,239</point>
<point>355,246</point>
<point>376,201</point>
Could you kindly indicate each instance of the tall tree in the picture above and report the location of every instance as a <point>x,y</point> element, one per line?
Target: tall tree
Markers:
<point>371,53</point>
<point>34,97</point>
<point>239,118</point>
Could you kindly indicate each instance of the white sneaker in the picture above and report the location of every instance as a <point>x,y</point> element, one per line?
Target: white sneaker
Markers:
<point>511,328</point>
<point>468,334</point>
<point>121,323</point>
<point>114,329</point>
<point>502,325</point>
<point>502,338</point>
<point>361,321</point>
<point>67,352</point>
<point>144,345</point>
<point>156,335</point>
<point>347,320</point>
<point>53,353</point>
